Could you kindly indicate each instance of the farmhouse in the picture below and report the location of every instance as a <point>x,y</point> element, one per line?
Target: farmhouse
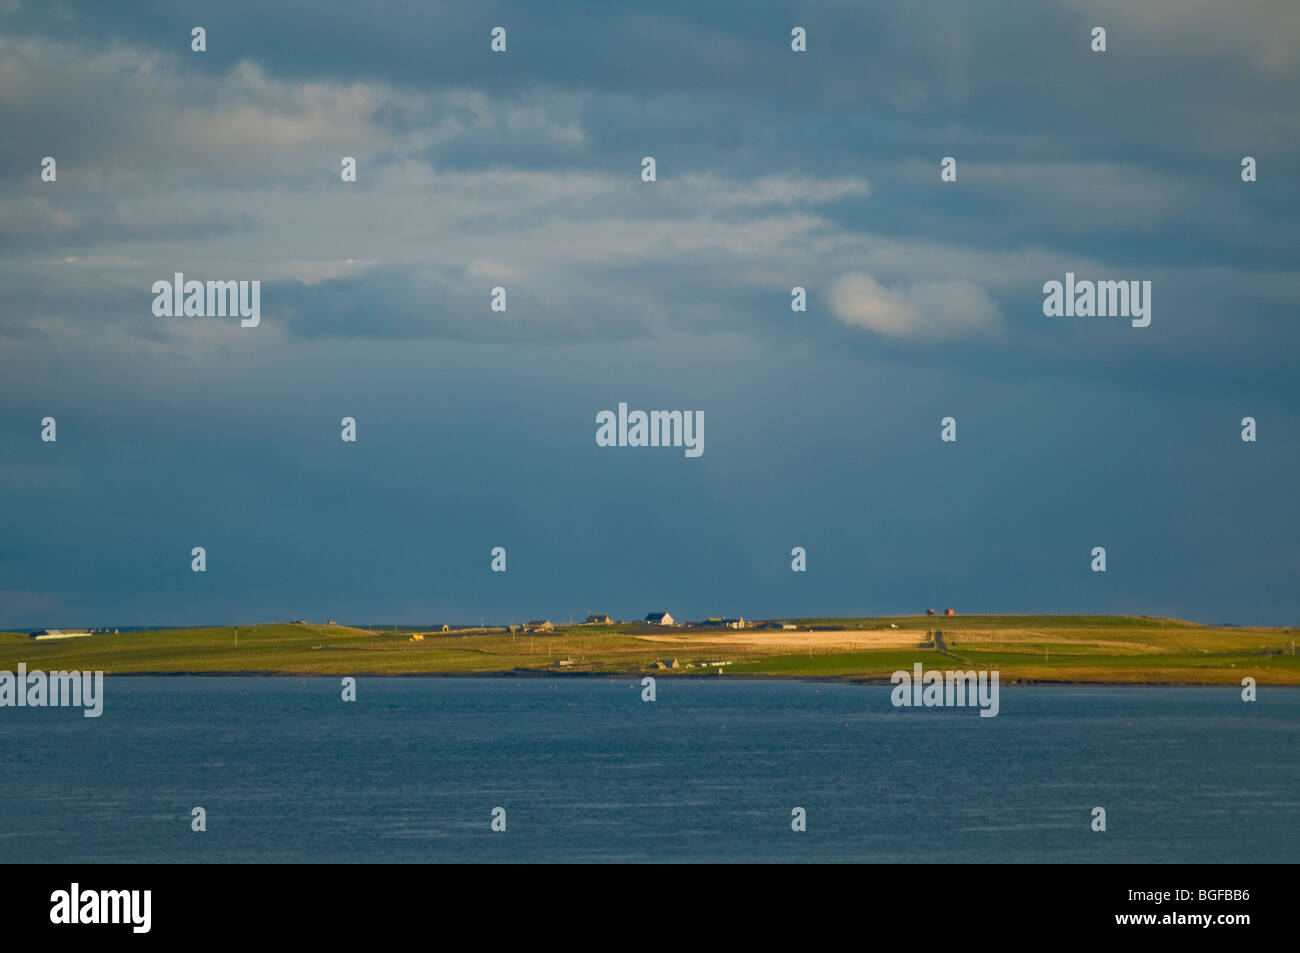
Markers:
<point>41,634</point>
<point>598,618</point>
<point>659,618</point>
<point>539,625</point>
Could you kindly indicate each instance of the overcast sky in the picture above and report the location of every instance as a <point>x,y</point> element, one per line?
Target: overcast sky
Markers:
<point>522,169</point>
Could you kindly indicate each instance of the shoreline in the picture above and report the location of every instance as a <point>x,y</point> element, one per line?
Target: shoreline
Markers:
<point>636,676</point>
<point>1045,650</point>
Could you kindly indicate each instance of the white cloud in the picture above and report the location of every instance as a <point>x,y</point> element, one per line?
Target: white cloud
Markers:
<point>925,309</point>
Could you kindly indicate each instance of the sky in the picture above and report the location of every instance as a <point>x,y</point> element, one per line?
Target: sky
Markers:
<point>523,169</point>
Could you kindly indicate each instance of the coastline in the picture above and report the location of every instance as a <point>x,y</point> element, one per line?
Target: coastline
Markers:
<point>1023,650</point>
<point>748,677</point>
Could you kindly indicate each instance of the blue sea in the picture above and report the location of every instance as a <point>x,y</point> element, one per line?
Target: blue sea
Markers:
<point>587,771</point>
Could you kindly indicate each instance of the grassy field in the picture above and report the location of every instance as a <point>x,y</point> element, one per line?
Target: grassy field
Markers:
<point>1083,649</point>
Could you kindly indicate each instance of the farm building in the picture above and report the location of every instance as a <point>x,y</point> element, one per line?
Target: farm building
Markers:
<point>539,625</point>
<point>948,612</point>
<point>929,612</point>
<point>598,618</point>
<point>659,618</point>
<point>60,634</point>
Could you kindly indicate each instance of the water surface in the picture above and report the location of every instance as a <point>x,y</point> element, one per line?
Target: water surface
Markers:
<point>587,771</point>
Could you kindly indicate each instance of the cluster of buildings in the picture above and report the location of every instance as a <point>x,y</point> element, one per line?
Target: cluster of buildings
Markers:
<point>535,625</point>
<point>666,619</point>
<point>663,618</point>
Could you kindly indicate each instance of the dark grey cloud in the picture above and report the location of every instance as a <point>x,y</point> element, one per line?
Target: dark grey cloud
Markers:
<point>428,303</point>
<point>522,170</point>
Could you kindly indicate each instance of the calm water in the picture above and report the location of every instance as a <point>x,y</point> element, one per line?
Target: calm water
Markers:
<point>589,772</point>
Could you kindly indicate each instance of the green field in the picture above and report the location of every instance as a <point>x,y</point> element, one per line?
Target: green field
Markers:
<point>1079,649</point>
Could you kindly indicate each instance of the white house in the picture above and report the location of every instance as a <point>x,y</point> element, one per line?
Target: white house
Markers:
<point>60,634</point>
